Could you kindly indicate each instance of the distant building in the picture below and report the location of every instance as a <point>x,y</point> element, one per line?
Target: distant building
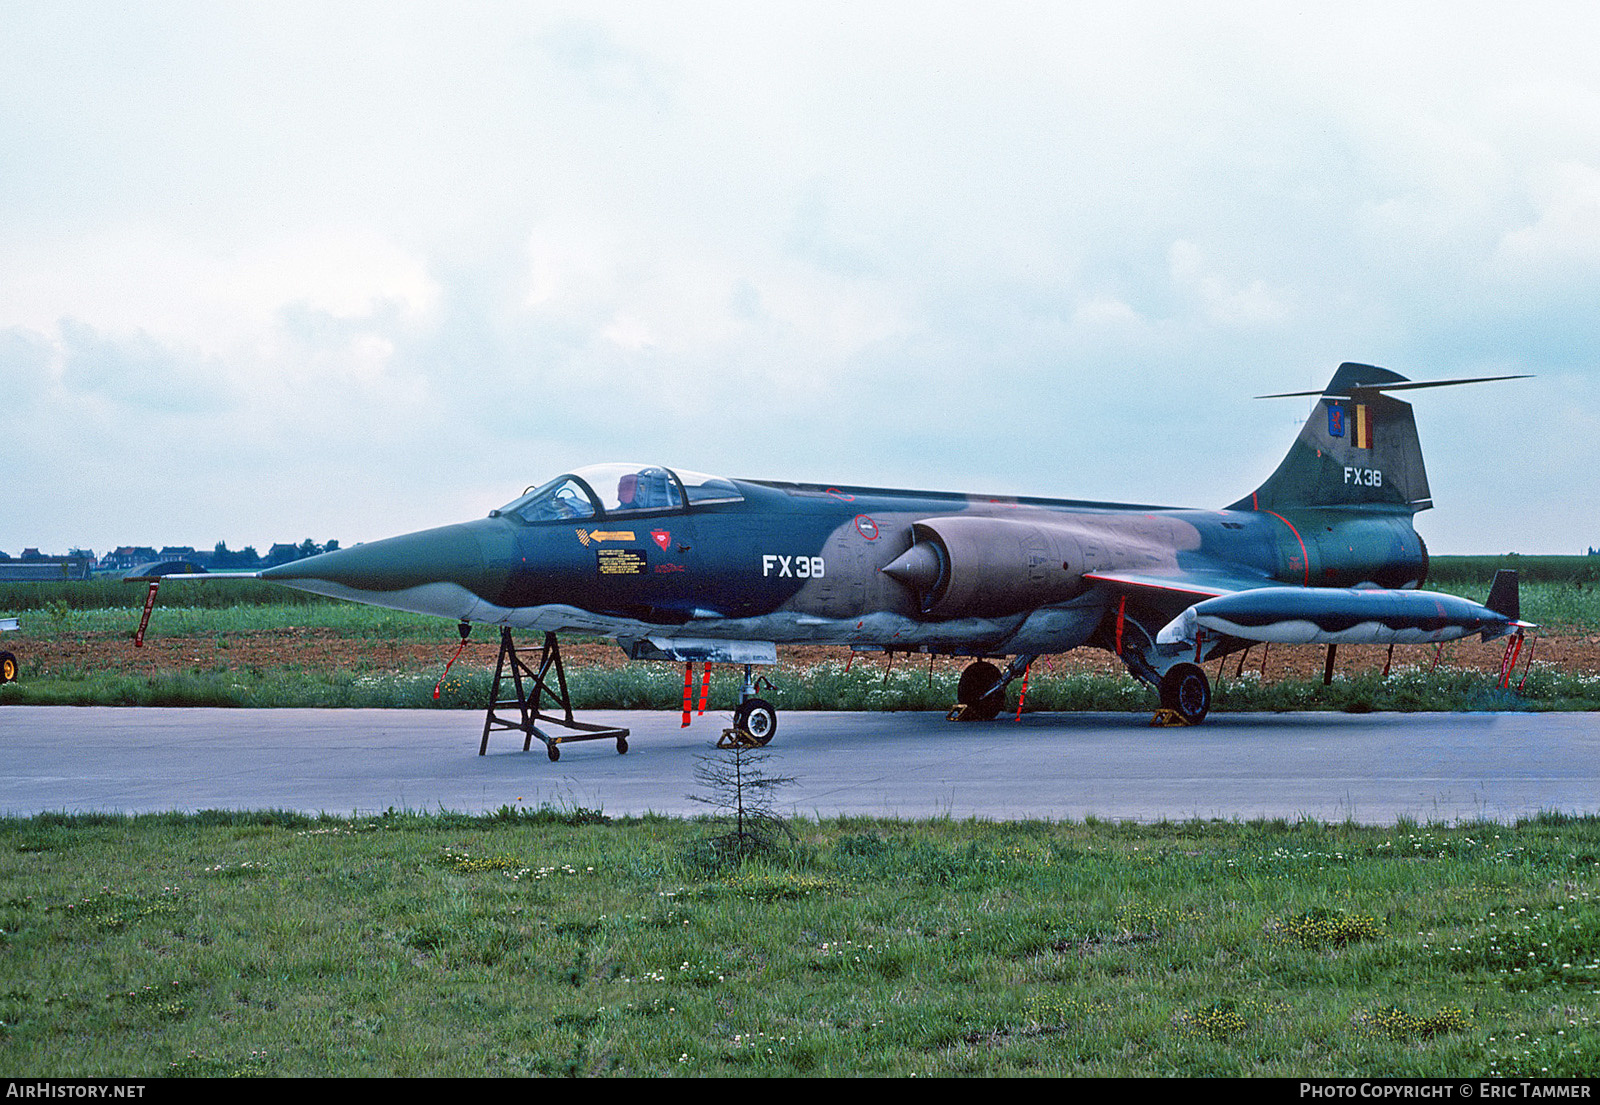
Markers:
<point>282,553</point>
<point>37,568</point>
<point>127,557</point>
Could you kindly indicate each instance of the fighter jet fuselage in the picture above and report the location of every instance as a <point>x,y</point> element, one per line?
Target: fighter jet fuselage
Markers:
<point>679,565</point>
<point>788,563</point>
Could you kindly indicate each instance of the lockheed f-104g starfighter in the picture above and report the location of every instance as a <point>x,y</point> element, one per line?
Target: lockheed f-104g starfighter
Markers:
<point>679,565</point>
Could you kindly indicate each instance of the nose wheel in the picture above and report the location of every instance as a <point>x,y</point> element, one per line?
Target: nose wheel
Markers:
<point>757,717</point>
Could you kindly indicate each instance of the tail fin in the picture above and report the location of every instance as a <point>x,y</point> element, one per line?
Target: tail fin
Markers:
<point>1505,597</point>
<point>1359,448</point>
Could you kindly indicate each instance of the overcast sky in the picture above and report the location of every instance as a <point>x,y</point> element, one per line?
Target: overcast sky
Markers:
<point>277,271</point>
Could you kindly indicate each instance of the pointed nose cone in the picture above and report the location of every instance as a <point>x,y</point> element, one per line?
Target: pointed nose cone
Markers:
<point>918,567</point>
<point>437,571</point>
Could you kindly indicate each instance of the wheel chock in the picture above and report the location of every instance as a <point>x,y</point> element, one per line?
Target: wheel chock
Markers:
<point>737,738</point>
<point>1165,718</point>
<point>956,712</point>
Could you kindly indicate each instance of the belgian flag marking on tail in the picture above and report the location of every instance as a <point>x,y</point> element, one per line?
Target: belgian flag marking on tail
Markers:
<point>1361,438</point>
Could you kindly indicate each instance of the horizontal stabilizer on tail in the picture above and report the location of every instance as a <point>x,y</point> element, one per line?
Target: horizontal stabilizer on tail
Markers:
<point>1398,385</point>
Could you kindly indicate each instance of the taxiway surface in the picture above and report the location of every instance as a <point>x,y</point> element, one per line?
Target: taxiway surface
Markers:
<point>1369,768</point>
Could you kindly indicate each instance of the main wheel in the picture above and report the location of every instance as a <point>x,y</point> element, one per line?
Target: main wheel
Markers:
<point>758,717</point>
<point>8,667</point>
<point>1186,691</point>
<point>976,679</point>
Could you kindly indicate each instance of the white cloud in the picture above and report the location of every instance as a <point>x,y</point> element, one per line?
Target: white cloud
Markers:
<point>928,243</point>
<point>1229,303</point>
<point>1566,230</point>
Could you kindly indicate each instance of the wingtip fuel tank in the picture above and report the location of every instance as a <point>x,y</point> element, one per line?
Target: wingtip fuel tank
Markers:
<point>1312,615</point>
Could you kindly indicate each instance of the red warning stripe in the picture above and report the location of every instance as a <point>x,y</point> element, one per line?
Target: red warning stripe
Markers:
<point>144,619</point>
<point>1305,560</point>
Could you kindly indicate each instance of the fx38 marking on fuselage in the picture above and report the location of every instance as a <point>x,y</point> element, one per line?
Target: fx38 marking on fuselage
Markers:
<point>798,567</point>
<point>943,573</point>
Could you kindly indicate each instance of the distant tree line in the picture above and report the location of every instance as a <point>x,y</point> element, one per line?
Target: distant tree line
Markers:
<point>247,558</point>
<point>80,562</point>
<point>220,558</point>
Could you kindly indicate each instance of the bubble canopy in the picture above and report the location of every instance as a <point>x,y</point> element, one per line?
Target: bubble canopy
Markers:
<point>609,490</point>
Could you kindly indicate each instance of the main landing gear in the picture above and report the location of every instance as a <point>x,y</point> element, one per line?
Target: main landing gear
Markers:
<point>1185,695</point>
<point>981,691</point>
<point>1184,689</point>
<point>528,701</point>
<point>980,695</point>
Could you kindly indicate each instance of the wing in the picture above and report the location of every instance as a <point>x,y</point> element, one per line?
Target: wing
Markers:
<point>1163,588</point>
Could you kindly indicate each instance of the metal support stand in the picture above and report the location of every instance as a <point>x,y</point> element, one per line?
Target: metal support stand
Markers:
<point>528,700</point>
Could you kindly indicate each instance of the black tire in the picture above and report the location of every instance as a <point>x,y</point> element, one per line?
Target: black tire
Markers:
<point>1186,691</point>
<point>8,667</point>
<point>976,678</point>
<point>555,752</point>
<point>759,718</point>
<point>622,746</point>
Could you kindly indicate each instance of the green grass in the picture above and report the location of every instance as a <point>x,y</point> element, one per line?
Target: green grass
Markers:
<point>59,620</point>
<point>824,686</point>
<point>1552,606</point>
<point>1561,603</point>
<point>1470,575</point>
<point>1479,570</point>
<point>110,593</point>
<point>556,942</point>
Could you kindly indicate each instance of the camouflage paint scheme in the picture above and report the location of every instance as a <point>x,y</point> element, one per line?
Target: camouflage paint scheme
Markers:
<point>726,569</point>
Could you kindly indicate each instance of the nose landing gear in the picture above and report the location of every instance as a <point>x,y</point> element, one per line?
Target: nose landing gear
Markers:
<point>757,717</point>
<point>755,720</point>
